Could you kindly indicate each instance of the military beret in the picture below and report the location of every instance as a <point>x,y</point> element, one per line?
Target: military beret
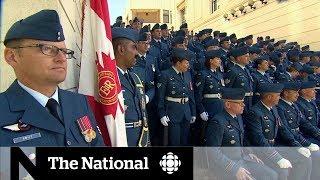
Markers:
<point>222,34</point>
<point>211,42</point>
<point>272,40</point>
<point>267,37</point>
<point>315,53</point>
<point>201,33</point>
<point>180,33</point>
<point>308,84</point>
<point>180,53</point>
<point>126,33</point>
<point>164,26</point>
<point>117,24</point>
<point>254,49</point>
<point>156,26</point>
<point>44,25</point>
<point>119,18</point>
<point>248,37</point>
<point>291,86</point>
<point>216,33</point>
<point>239,51</point>
<point>177,40</point>
<point>143,36</point>
<point>212,54</point>
<point>207,31</point>
<point>233,36</point>
<point>292,53</point>
<point>270,88</point>
<point>263,57</point>
<point>206,40</point>
<point>136,19</point>
<point>260,38</point>
<point>314,63</point>
<point>305,48</point>
<point>224,39</point>
<point>145,29</point>
<point>184,25</point>
<point>233,93</point>
<point>275,56</point>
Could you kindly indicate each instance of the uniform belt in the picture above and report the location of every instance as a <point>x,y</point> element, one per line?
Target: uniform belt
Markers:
<point>212,96</point>
<point>271,141</point>
<point>134,124</point>
<point>178,100</point>
<point>248,94</point>
<point>295,130</point>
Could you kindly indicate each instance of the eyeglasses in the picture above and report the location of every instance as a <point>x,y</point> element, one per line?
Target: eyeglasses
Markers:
<point>50,50</point>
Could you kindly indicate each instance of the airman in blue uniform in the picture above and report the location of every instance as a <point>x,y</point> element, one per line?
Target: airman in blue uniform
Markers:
<point>239,76</point>
<point>176,104</point>
<point>34,111</point>
<point>209,83</point>
<point>165,36</point>
<point>260,75</point>
<point>124,43</point>
<point>226,130</point>
<point>309,109</point>
<point>147,70</point>
<point>159,49</point>
<point>296,123</point>
<point>263,127</point>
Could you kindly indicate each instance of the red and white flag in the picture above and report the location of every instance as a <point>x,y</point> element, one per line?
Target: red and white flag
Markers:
<point>99,79</point>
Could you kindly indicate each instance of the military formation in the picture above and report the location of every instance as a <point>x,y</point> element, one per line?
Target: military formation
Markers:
<point>211,89</point>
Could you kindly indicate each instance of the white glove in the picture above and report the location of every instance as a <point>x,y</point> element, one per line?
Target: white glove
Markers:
<point>164,120</point>
<point>204,116</point>
<point>284,163</point>
<point>147,99</point>
<point>304,151</point>
<point>313,147</point>
<point>193,119</point>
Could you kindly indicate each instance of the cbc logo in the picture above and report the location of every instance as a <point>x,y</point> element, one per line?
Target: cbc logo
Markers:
<point>170,163</point>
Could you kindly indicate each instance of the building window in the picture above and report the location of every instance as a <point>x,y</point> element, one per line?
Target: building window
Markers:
<point>166,16</point>
<point>214,5</point>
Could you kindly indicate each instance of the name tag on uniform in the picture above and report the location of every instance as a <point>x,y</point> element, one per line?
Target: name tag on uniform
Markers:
<point>26,138</point>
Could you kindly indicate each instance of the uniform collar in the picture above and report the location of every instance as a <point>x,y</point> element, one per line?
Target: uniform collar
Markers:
<point>157,40</point>
<point>242,67</point>
<point>290,103</point>
<point>266,106</point>
<point>263,73</point>
<point>42,99</point>
<point>213,70</point>
<point>176,70</point>
<point>122,71</point>
<point>305,99</point>
<point>144,55</point>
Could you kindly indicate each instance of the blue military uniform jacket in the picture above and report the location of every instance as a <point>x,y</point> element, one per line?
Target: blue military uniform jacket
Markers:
<point>37,126</point>
<point>172,85</point>
<point>209,83</point>
<point>147,70</point>
<point>311,113</point>
<point>282,77</point>
<point>237,77</point>
<point>160,51</point>
<point>135,105</point>
<point>225,131</point>
<point>261,129</point>
<point>292,119</point>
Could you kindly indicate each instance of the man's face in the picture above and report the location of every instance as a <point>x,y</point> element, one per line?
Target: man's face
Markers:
<point>243,60</point>
<point>183,65</point>
<point>249,41</point>
<point>143,46</point>
<point>130,52</point>
<point>274,98</point>
<point>225,45</point>
<point>181,46</point>
<point>306,59</point>
<point>236,107</point>
<point>264,66</point>
<point>215,62</point>
<point>309,93</point>
<point>33,67</point>
<point>291,95</point>
<point>165,33</point>
<point>156,34</point>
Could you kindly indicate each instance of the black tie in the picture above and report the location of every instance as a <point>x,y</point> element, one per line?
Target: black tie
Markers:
<point>54,109</point>
<point>129,79</point>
